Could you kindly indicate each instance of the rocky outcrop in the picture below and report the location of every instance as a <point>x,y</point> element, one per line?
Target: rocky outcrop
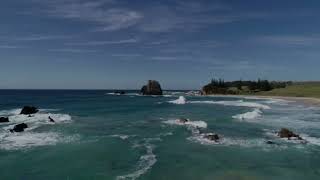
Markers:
<point>183,120</point>
<point>19,127</point>
<point>152,88</point>
<point>286,133</point>
<point>4,119</point>
<point>27,110</point>
<point>212,137</point>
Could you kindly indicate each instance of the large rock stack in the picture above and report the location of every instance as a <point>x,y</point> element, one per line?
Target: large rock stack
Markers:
<point>152,88</point>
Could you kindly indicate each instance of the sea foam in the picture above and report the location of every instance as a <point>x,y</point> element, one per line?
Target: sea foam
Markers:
<point>239,103</point>
<point>180,100</point>
<point>252,115</point>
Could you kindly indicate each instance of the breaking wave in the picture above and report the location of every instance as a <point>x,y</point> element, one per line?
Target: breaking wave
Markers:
<point>180,100</point>
<point>252,115</point>
<point>14,141</point>
<point>239,103</point>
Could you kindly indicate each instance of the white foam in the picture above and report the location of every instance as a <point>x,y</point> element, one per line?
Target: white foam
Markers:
<point>239,103</point>
<point>145,163</point>
<point>180,100</point>
<point>252,115</point>
<point>29,138</point>
<point>121,136</point>
<point>195,124</point>
<point>25,140</point>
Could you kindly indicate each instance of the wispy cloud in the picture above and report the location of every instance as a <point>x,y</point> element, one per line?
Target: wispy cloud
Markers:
<point>108,19</point>
<point>8,47</point>
<point>126,55</point>
<point>99,43</point>
<point>290,40</point>
<point>73,50</point>
<point>41,37</point>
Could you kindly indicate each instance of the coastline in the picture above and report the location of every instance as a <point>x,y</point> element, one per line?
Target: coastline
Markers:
<point>309,101</point>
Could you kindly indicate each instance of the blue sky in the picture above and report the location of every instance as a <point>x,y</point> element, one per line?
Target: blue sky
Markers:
<point>90,44</point>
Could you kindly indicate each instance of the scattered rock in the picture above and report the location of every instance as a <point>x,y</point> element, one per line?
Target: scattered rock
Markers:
<point>27,110</point>
<point>4,119</point>
<point>183,120</point>
<point>212,137</point>
<point>286,133</point>
<point>270,142</point>
<point>152,88</point>
<point>19,127</point>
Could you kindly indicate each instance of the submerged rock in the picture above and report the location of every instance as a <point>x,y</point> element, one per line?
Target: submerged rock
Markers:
<point>183,120</point>
<point>50,119</point>
<point>27,110</point>
<point>152,88</point>
<point>212,137</point>
<point>19,127</point>
<point>4,119</point>
<point>286,133</point>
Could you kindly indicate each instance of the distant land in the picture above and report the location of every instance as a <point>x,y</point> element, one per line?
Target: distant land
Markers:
<point>263,88</point>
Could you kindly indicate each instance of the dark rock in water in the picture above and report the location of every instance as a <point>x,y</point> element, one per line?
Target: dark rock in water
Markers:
<point>50,119</point>
<point>183,120</point>
<point>19,127</point>
<point>270,142</point>
<point>4,119</point>
<point>152,88</point>
<point>212,137</point>
<point>120,92</point>
<point>286,133</point>
<point>27,110</point>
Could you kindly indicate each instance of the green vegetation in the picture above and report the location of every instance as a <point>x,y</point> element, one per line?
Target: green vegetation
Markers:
<point>297,89</point>
<point>241,87</point>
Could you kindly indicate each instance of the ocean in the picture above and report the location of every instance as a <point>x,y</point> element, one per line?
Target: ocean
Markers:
<point>98,135</point>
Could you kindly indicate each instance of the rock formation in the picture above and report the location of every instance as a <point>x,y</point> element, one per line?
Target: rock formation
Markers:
<point>152,88</point>
<point>4,119</point>
<point>286,133</point>
<point>212,137</point>
<point>19,127</point>
<point>27,110</point>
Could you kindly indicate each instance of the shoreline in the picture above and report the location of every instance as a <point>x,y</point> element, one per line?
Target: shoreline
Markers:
<point>309,101</point>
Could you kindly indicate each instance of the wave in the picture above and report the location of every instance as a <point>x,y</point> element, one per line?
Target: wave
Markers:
<point>180,100</point>
<point>25,140</point>
<point>29,138</point>
<point>195,124</point>
<point>252,115</point>
<point>145,163</point>
<point>239,103</point>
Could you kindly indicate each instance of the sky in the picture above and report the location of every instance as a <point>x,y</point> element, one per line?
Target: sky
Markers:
<point>120,44</point>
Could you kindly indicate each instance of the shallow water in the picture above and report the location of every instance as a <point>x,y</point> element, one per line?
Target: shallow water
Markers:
<point>99,135</point>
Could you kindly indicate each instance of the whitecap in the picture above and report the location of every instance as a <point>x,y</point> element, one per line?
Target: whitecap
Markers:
<point>239,103</point>
<point>180,100</point>
<point>25,140</point>
<point>252,115</point>
<point>195,124</point>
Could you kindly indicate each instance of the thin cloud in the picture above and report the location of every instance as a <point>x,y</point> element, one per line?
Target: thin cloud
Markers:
<point>8,47</point>
<point>73,50</point>
<point>99,43</point>
<point>108,19</point>
<point>290,40</point>
<point>41,37</point>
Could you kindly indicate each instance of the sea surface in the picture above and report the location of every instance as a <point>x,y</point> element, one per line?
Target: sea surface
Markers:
<point>99,135</point>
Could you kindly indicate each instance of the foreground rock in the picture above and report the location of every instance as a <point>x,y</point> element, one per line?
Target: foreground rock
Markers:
<point>286,133</point>
<point>27,110</point>
<point>152,88</point>
<point>19,127</point>
<point>212,137</point>
<point>4,119</point>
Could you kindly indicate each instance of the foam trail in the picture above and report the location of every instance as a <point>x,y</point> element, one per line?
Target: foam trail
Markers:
<point>195,124</point>
<point>180,100</point>
<point>239,103</point>
<point>256,113</point>
<point>145,163</point>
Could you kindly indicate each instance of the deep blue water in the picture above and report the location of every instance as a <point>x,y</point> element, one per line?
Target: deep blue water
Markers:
<point>102,136</point>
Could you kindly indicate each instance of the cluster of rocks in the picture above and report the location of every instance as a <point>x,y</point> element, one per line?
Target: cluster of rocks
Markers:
<point>286,133</point>
<point>152,88</point>
<point>26,110</point>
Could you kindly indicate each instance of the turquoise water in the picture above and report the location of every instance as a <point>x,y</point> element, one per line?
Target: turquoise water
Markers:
<point>102,136</point>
